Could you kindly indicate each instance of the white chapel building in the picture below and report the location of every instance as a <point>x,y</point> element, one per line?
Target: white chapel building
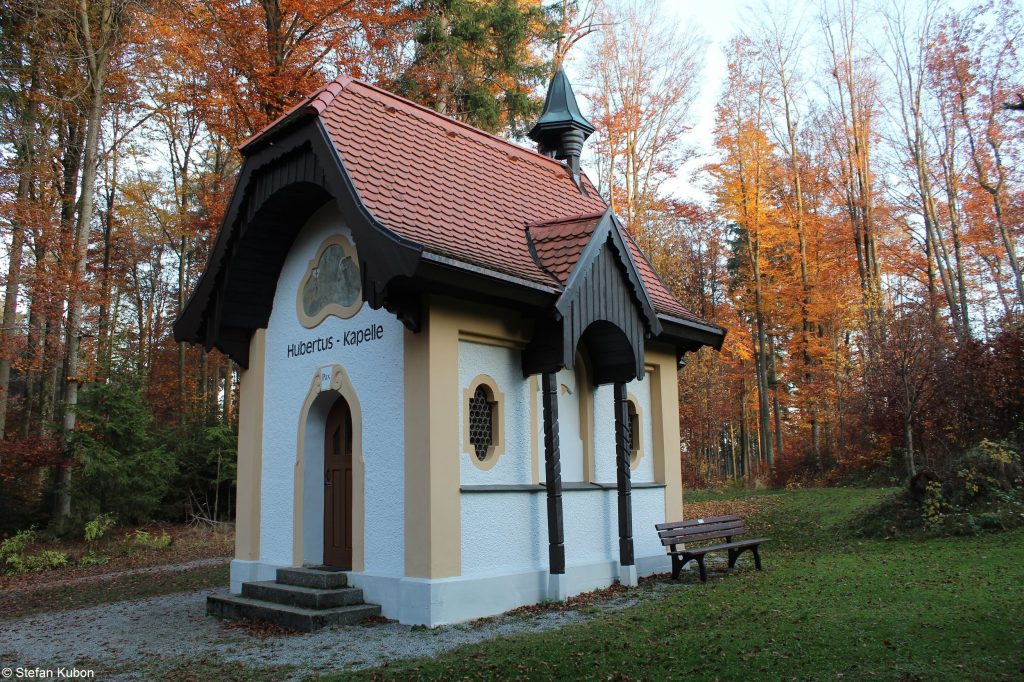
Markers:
<point>459,385</point>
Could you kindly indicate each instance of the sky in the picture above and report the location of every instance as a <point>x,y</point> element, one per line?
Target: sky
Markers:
<point>719,21</point>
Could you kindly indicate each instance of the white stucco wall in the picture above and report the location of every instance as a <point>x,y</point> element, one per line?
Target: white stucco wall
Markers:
<point>506,532</point>
<point>604,434</point>
<point>570,435</point>
<point>503,533</point>
<point>503,366</point>
<point>376,370</point>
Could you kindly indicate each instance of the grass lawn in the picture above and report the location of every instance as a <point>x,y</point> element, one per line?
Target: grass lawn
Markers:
<point>826,607</point>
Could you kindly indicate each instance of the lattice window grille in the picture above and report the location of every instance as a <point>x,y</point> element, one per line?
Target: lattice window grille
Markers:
<point>481,422</point>
<point>632,427</point>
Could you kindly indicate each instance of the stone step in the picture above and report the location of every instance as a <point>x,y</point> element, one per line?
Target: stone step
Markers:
<point>312,577</point>
<point>234,607</point>
<point>306,597</point>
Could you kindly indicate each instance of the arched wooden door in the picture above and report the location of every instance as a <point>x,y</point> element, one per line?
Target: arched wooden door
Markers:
<point>338,486</point>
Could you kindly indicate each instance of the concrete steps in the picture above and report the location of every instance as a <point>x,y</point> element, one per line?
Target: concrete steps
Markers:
<point>318,578</point>
<point>304,599</point>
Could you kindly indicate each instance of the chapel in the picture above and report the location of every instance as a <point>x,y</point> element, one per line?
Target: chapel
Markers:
<point>458,388</point>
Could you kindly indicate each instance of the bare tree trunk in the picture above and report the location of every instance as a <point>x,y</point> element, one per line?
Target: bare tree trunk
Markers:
<point>228,392</point>
<point>761,362</point>
<point>732,451</point>
<point>97,54</point>
<point>744,431</point>
<point>182,393</point>
<point>8,332</point>
<point>908,440</point>
<point>204,388</point>
<point>76,302</point>
<point>816,444</point>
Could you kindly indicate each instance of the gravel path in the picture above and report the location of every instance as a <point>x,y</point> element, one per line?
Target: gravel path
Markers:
<point>128,640</point>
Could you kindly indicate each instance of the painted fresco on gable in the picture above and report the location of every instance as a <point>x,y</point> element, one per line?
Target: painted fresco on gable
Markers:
<point>332,283</point>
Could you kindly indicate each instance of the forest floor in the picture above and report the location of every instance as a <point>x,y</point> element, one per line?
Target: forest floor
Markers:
<point>195,558</point>
<point>826,606</point>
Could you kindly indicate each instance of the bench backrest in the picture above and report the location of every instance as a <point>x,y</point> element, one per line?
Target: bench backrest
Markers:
<point>696,530</point>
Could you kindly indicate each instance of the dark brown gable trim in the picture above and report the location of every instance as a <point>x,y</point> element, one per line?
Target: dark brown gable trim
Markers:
<point>605,306</point>
<point>280,186</point>
<point>608,229</point>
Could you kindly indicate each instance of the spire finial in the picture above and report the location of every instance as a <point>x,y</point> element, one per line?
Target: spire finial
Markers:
<point>561,129</point>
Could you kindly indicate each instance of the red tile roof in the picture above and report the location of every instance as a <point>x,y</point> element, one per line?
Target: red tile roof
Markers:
<point>559,243</point>
<point>460,192</point>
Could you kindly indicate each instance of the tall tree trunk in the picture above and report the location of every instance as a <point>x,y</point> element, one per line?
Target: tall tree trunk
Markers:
<point>228,387</point>
<point>744,431</point>
<point>908,441</point>
<point>9,332</point>
<point>204,388</point>
<point>97,53</point>
<point>761,362</point>
<point>182,392</point>
<point>732,451</point>
<point>103,322</point>
<point>76,303</point>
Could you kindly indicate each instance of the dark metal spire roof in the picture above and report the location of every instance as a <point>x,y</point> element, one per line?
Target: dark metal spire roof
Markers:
<point>561,113</point>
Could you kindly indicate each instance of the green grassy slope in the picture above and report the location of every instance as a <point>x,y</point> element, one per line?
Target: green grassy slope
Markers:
<point>826,607</point>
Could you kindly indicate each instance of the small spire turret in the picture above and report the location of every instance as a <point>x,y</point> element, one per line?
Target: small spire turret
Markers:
<point>562,129</point>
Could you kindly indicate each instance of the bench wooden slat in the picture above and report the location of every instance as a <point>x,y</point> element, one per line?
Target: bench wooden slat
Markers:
<point>702,537</point>
<point>727,528</point>
<point>694,551</point>
<point>686,523</point>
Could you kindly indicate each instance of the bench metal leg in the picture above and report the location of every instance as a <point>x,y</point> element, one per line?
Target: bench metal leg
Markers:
<point>703,571</point>
<point>757,557</point>
<point>733,556</point>
<point>677,565</point>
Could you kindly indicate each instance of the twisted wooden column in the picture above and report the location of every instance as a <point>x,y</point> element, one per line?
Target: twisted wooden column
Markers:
<point>622,452</point>
<point>553,475</point>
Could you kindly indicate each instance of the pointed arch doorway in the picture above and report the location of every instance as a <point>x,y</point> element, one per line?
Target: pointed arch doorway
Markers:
<point>338,486</point>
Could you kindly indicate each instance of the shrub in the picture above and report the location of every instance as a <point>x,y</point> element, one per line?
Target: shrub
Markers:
<point>47,560</point>
<point>983,489</point>
<point>93,559</point>
<point>205,456</point>
<point>98,527</point>
<point>22,489</point>
<point>11,550</point>
<point>146,541</point>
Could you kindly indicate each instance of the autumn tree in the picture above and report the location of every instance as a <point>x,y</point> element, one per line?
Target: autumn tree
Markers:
<point>247,63</point>
<point>979,64</point>
<point>745,199</point>
<point>908,371</point>
<point>853,105</point>
<point>641,80</point>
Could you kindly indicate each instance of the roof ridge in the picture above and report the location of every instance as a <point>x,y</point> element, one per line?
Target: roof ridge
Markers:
<point>341,82</point>
<point>443,121</point>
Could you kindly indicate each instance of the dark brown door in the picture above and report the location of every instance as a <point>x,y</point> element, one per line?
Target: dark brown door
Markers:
<point>338,486</point>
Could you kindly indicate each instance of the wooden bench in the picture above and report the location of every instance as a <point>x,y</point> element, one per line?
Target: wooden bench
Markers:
<point>678,534</point>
